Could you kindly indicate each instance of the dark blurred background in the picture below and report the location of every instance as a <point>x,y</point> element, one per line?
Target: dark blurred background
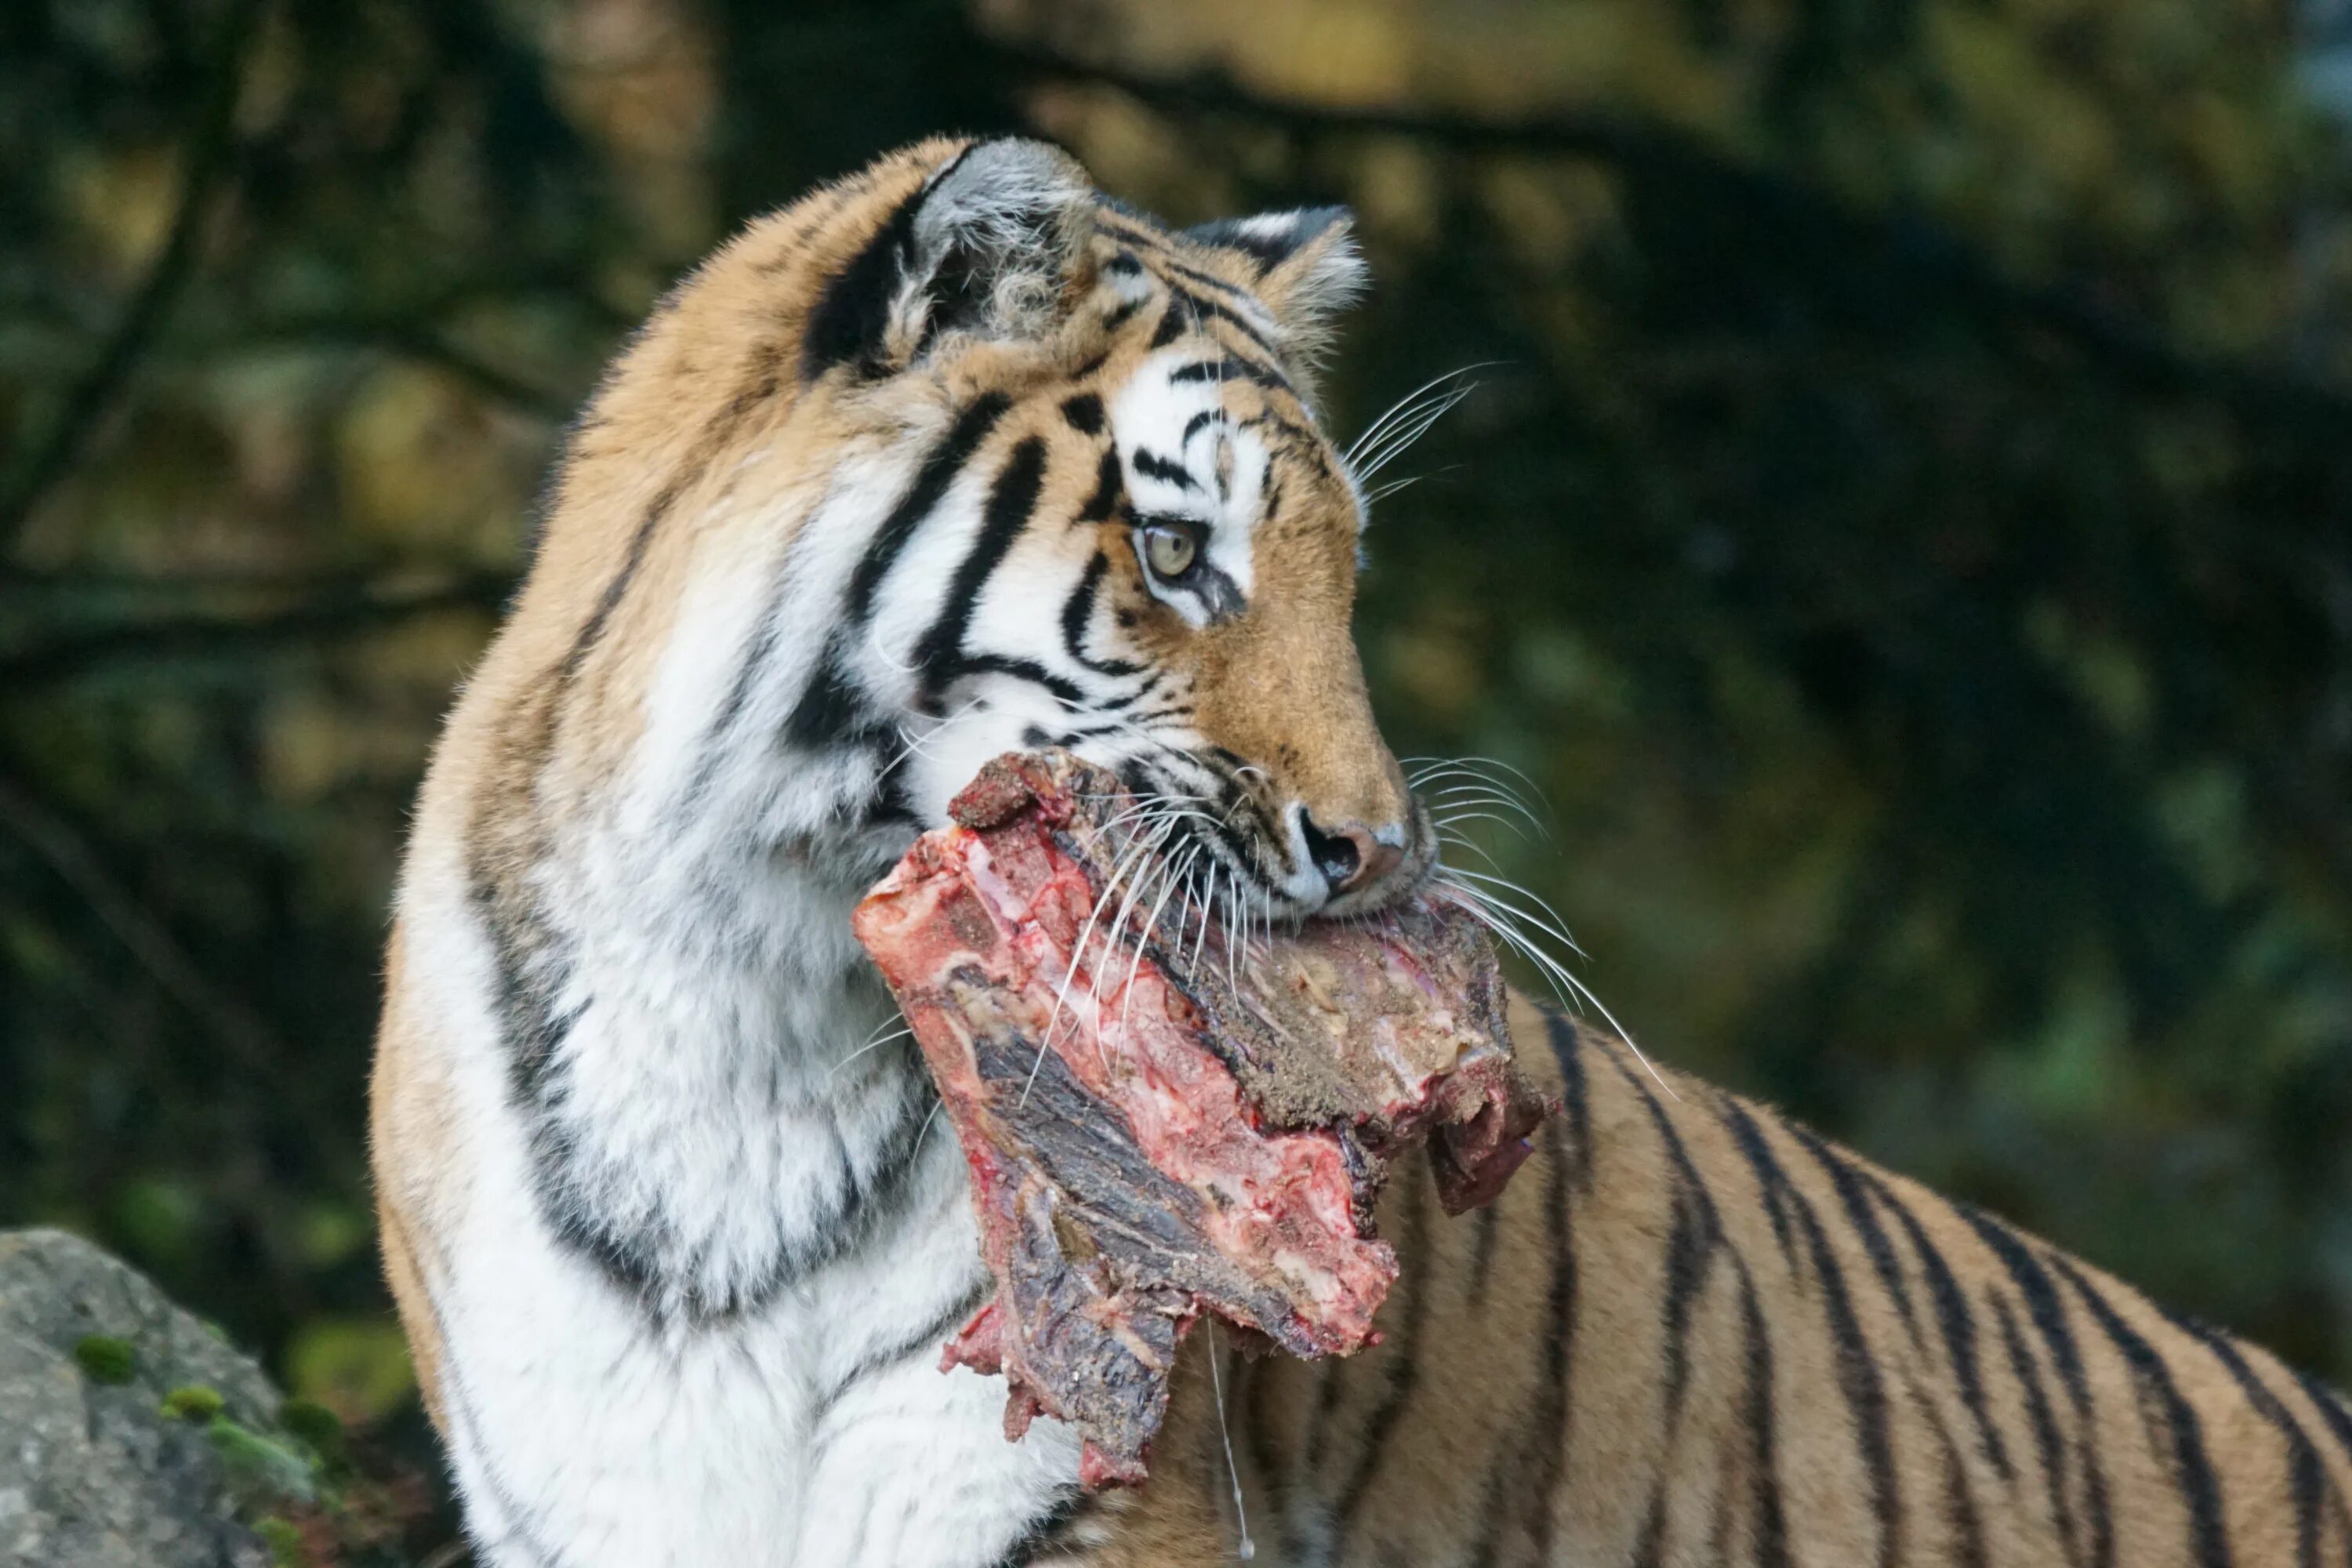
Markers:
<point>1904,527</point>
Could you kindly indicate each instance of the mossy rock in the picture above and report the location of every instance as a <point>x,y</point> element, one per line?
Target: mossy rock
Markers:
<point>97,1475</point>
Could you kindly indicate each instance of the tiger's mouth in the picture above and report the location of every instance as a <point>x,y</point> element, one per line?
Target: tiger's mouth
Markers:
<point>1222,850</point>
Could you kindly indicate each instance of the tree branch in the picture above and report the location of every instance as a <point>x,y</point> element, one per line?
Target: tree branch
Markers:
<point>244,1039</point>
<point>210,147</point>
<point>424,346</point>
<point>242,1036</point>
<point>324,614</point>
<point>1908,241</point>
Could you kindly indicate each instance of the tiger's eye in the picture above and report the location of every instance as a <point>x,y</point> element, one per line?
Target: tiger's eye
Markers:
<point>1169,551</point>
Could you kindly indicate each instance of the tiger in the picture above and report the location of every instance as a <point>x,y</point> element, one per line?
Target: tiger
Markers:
<point>958,456</point>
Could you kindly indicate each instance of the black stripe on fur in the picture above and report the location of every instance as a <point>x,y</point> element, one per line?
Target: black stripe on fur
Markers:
<point>1012,503</point>
<point>2048,1314</point>
<point>2193,1471</point>
<point>849,324</point>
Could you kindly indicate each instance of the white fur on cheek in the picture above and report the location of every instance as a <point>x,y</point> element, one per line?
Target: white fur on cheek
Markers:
<point>1231,540</point>
<point>1148,420</point>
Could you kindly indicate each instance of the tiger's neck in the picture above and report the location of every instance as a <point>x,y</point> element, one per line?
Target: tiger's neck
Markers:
<point>664,862</point>
<point>714,1166</point>
<point>724,1104</point>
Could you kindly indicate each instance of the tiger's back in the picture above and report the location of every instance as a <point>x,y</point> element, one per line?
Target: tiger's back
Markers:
<point>1692,1331</point>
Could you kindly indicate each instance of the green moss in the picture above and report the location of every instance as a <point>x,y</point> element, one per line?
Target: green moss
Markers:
<point>284,1540</point>
<point>259,1466</point>
<point>355,1364</point>
<point>105,1359</point>
<point>193,1402</point>
<point>317,1426</point>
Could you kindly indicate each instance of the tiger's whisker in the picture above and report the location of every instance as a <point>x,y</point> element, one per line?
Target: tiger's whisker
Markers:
<point>1171,878</point>
<point>1544,918</point>
<point>1489,911</point>
<point>914,747</point>
<point>926,1130</point>
<point>1245,1549</point>
<point>1449,820</point>
<point>871,1045</point>
<point>1459,842</point>
<point>1143,846</point>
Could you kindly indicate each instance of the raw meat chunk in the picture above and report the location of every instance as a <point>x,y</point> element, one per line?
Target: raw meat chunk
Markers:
<point>1160,1122</point>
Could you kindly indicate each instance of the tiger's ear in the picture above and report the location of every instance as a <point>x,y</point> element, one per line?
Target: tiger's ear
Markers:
<point>992,245</point>
<point>1308,267</point>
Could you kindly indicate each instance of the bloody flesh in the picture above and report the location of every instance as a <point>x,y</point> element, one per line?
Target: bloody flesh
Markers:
<point>1159,1124</point>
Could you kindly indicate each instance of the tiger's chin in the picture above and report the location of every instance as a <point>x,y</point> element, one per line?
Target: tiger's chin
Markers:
<point>1409,879</point>
<point>1400,886</point>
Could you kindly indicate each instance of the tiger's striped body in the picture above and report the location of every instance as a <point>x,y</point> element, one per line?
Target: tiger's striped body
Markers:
<point>1693,1332</point>
<point>955,458</point>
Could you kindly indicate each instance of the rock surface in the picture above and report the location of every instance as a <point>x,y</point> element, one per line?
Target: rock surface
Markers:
<point>92,1475</point>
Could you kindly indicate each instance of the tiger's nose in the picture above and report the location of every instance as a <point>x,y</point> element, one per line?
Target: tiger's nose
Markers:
<point>1350,855</point>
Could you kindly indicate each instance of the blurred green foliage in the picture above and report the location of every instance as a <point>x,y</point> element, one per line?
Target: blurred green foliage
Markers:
<point>1904,529</point>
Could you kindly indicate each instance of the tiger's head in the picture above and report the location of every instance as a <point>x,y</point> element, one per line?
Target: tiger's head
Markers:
<point>1058,480</point>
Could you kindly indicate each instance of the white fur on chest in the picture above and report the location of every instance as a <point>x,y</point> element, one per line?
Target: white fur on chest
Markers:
<point>583,1436</point>
<point>719,1080</point>
<point>774,1398</point>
